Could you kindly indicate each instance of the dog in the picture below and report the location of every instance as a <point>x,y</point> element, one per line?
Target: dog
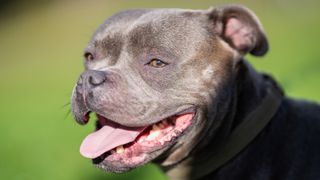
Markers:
<point>172,87</point>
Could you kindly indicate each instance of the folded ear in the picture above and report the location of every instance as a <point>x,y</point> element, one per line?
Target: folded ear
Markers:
<point>239,27</point>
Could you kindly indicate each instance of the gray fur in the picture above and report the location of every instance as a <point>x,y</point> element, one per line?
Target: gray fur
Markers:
<point>205,71</point>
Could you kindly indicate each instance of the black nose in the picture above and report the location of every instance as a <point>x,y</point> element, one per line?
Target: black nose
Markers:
<point>92,78</point>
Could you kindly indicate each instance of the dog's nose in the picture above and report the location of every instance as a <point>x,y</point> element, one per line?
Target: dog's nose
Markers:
<point>92,78</point>
<point>96,78</point>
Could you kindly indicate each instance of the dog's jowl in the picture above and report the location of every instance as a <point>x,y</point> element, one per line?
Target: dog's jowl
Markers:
<point>171,86</point>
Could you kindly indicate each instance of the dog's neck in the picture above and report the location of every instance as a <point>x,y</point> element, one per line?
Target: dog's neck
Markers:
<point>249,92</point>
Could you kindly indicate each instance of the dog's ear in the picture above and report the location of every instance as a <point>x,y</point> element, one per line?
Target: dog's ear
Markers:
<point>240,28</point>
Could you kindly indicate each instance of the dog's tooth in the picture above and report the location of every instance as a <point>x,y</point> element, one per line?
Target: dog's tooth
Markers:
<point>153,134</point>
<point>161,125</point>
<point>165,122</point>
<point>155,127</point>
<point>140,140</point>
<point>167,138</point>
<point>120,149</point>
<point>162,142</point>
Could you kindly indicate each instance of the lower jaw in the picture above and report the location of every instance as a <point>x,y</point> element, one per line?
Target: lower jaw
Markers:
<point>119,164</point>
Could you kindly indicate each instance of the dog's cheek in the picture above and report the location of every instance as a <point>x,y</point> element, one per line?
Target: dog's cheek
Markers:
<point>206,72</point>
<point>159,79</point>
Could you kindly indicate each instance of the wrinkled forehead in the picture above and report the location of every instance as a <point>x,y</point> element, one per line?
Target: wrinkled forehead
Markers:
<point>162,28</point>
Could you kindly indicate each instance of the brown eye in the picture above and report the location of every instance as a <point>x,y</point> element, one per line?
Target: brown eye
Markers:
<point>89,56</point>
<point>157,63</point>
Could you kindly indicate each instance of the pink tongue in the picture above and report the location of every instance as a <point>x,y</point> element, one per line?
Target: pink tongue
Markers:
<point>107,138</point>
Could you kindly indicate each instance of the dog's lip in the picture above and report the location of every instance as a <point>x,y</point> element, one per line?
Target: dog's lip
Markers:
<point>191,109</point>
<point>86,117</point>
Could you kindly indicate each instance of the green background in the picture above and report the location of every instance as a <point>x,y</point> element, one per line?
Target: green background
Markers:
<point>41,45</point>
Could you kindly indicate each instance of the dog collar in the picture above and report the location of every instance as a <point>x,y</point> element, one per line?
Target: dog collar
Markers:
<point>240,137</point>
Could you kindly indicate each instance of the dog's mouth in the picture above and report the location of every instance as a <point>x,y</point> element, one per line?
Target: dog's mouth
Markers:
<point>118,148</point>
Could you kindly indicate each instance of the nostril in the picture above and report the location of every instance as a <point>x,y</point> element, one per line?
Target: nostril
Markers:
<point>91,78</point>
<point>97,78</point>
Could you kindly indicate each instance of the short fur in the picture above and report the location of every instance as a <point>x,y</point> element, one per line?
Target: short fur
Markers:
<point>204,50</point>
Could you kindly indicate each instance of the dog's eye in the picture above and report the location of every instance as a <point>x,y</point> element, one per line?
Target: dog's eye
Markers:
<point>88,56</point>
<point>157,63</point>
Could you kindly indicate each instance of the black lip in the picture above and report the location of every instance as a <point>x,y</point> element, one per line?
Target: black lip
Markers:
<point>101,158</point>
<point>188,110</point>
<point>79,109</point>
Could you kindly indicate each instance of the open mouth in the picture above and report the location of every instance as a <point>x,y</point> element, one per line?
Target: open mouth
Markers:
<point>127,147</point>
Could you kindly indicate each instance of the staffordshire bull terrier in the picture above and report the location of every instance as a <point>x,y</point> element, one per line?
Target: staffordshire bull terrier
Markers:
<point>171,86</point>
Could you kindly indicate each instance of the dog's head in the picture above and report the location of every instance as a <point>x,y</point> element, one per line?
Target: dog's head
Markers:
<point>159,79</point>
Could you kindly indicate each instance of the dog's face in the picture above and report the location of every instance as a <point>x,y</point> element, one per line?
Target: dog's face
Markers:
<point>157,79</point>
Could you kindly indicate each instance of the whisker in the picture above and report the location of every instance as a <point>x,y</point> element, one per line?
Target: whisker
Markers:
<point>65,105</point>
<point>67,114</point>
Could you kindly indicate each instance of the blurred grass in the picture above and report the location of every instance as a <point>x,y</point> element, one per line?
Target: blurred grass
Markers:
<point>41,57</point>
